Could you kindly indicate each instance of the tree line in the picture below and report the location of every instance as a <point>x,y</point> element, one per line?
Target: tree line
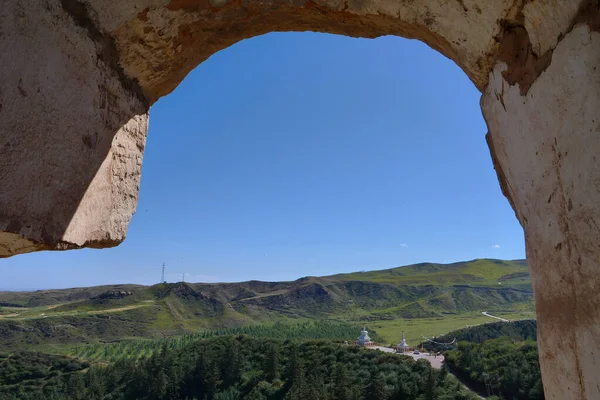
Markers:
<point>242,367</point>
<point>499,367</point>
<point>136,349</point>
<point>497,359</point>
<point>516,330</point>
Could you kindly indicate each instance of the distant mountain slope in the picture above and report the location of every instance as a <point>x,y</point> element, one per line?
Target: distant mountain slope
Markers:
<point>480,272</point>
<point>59,296</point>
<point>112,312</point>
<point>475,272</point>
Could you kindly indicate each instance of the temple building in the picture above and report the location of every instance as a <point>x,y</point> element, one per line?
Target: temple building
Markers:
<point>364,340</point>
<point>402,346</point>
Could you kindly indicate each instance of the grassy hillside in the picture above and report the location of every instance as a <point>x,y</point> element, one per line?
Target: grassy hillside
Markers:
<point>442,295</point>
<point>484,272</point>
<point>59,296</point>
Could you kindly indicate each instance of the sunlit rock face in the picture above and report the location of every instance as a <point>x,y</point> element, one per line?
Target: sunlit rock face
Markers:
<point>78,77</point>
<point>72,132</point>
<point>546,142</point>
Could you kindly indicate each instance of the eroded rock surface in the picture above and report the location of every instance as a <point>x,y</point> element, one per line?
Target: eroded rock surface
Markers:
<point>87,71</point>
<point>83,73</point>
<point>161,44</point>
<point>72,133</point>
<point>78,76</point>
<point>548,150</point>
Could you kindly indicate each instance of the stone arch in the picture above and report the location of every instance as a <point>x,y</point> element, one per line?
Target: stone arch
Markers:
<point>78,78</point>
<point>202,28</point>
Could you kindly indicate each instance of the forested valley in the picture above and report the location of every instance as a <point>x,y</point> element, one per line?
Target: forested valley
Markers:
<point>134,349</point>
<point>497,359</point>
<point>277,340</point>
<point>501,367</point>
<point>238,367</point>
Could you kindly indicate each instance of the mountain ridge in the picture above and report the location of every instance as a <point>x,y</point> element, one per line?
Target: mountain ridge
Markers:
<point>7,293</point>
<point>111,312</point>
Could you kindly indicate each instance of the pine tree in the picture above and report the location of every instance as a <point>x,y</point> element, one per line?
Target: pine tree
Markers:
<point>272,364</point>
<point>291,372</point>
<point>376,388</point>
<point>341,383</point>
<point>255,394</point>
<point>297,385</point>
<point>430,385</point>
<point>400,392</point>
<point>211,379</point>
<point>75,387</point>
<point>443,374</point>
<point>231,365</point>
<point>314,389</point>
<point>159,387</point>
<point>234,394</point>
<point>95,384</point>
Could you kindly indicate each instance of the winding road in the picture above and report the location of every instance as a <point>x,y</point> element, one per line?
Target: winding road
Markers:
<point>493,316</point>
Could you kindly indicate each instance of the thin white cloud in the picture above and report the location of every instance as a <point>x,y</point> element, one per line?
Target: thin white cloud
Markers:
<point>403,245</point>
<point>495,246</point>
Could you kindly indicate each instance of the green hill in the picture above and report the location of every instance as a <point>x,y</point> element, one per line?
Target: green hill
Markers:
<point>412,293</point>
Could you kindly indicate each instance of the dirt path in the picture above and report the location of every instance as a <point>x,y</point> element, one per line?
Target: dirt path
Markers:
<point>17,316</point>
<point>493,316</point>
<point>118,309</point>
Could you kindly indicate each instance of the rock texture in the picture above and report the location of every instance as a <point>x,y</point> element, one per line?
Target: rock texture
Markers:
<point>82,74</point>
<point>160,45</point>
<point>72,132</point>
<point>547,145</point>
<point>78,76</point>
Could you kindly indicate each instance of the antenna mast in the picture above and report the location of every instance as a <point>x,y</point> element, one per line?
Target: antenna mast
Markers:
<point>162,279</point>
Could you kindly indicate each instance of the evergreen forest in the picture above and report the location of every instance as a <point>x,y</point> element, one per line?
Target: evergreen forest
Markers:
<point>233,367</point>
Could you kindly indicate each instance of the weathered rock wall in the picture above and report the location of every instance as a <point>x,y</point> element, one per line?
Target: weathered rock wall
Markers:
<point>77,78</point>
<point>72,132</point>
<point>546,143</point>
<point>160,45</point>
<point>87,70</point>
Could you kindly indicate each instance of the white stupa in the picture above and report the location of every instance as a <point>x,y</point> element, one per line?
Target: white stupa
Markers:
<point>364,339</point>
<point>402,346</point>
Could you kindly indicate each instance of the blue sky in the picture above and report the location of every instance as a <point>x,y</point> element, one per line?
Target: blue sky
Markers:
<point>295,154</point>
